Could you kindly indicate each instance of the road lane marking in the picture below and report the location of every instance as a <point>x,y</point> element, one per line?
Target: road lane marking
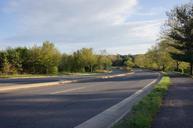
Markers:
<point>115,113</point>
<point>36,85</point>
<point>79,88</point>
<point>67,90</point>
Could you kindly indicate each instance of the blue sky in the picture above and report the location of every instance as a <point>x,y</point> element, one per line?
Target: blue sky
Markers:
<point>119,26</point>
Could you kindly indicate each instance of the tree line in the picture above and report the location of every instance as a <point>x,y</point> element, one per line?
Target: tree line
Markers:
<point>47,59</point>
<point>159,58</point>
<point>84,60</point>
<point>175,49</point>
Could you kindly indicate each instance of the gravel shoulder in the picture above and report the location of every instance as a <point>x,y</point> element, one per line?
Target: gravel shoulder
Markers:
<point>177,108</point>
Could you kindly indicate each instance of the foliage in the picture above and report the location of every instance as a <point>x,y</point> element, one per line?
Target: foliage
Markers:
<point>179,31</point>
<point>84,60</point>
<point>129,64</point>
<point>46,59</point>
<point>49,57</point>
<point>158,58</point>
<point>120,60</point>
<point>41,60</point>
<point>104,61</point>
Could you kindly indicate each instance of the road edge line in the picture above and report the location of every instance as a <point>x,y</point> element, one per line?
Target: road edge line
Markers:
<point>112,115</point>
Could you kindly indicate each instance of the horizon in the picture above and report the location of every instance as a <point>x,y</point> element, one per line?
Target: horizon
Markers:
<point>120,27</point>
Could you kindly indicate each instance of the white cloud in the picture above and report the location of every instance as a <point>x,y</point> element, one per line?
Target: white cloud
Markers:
<point>147,30</point>
<point>78,23</point>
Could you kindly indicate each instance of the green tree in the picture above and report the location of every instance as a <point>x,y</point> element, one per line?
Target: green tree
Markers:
<point>164,59</point>
<point>49,57</point>
<point>35,64</point>
<point>104,61</point>
<point>15,60</point>
<point>4,64</point>
<point>78,65</point>
<point>24,55</point>
<point>44,59</point>
<point>129,64</point>
<point>179,31</point>
<point>158,57</point>
<point>140,60</point>
<point>65,63</point>
<point>88,59</point>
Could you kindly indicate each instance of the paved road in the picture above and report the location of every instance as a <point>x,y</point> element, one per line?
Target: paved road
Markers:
<point>21,81</point>
<point>177,109</point>
<point>68,105</point>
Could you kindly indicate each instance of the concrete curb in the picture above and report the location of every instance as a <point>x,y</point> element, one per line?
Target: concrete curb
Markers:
<point>111,116</point>
<point>18,87</point>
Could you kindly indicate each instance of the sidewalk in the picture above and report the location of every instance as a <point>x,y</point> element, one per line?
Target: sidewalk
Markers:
<point>177,108</point>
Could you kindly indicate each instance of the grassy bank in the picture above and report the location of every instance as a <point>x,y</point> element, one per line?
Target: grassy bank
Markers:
<point>145,111</point>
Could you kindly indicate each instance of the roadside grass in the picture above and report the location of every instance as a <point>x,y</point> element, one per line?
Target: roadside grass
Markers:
<point>98,72</point>
<point>24,75</point>
<point>44,75</point>
<point>144,112</point>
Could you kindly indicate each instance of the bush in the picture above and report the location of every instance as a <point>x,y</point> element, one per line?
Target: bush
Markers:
<point>53,70</point>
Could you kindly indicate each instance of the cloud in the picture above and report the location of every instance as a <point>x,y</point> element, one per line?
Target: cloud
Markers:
<point>73,24</point>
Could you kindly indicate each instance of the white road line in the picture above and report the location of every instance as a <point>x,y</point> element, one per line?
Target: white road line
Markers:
<point>112,115</point>
<point>67,90</point>
<point>70,90</point>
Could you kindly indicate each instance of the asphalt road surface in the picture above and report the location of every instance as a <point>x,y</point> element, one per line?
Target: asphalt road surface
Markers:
<point>177,108</point>
<point>68,105</point>
<point>23,81</point>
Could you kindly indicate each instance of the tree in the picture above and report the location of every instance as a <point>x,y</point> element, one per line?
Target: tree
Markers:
<point>15,60</point>
<point>179,31</point>
<point>158,57</point>
<point>140,60</point>
<point>50,57</point>
<point>78,65</point>
<point>4,64</point>
<point>103,61</point>
<point>65,63</point>
<point>24,55</point>
<point>88,59</point>
<point>129,64</point>
<point>118,60</point>
<point>35,64</point>
<point>44,59</point>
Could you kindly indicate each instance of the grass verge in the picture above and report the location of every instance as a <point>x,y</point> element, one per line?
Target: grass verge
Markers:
<point>48,75</point>
<point>24,76</point>
<point>144,112</point>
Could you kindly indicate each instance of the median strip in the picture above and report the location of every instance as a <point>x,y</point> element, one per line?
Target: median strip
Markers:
<point>26,86</point>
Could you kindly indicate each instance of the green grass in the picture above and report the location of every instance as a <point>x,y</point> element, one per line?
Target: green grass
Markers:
<point>24,75</point>
<point>52,75</point>
<point>145,111</point>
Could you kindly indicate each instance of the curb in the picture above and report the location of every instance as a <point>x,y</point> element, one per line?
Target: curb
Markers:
<point>16,87</point>
<point>112,115</point>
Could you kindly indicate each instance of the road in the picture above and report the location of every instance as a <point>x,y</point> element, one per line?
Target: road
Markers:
<point>23,81</point>
<point>68,105</point>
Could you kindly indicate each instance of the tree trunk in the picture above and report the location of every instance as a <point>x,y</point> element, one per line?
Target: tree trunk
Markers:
<point>90,68</point>
<point>163,68</point>
<point>177,66</point>
<point>191,68</point>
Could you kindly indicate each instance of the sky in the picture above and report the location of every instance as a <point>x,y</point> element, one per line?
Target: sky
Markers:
<point>118,26</point>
